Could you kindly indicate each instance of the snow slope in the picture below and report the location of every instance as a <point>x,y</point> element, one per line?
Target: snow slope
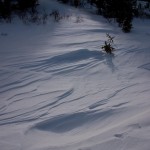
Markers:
<point>59,91</point>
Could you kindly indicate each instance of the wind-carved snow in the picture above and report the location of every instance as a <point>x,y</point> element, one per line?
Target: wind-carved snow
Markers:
<point>66,123</point>
<point>59,91</point>
<point>145,66</point>
<point>68,62</point>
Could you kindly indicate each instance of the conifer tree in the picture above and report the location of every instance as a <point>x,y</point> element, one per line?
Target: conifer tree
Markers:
<point>121,10</point>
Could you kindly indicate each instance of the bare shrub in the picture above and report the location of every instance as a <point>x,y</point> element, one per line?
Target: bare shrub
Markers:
<point>56,15</point>
<point>79,19</point>
<point>108,45</point>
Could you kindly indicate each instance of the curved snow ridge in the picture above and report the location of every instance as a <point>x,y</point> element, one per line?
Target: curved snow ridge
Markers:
<point>145,66</point>
<point>21,84</point>
<point>67,61</point>
<point>66,58</point>
<point>105,101</point>
<point>33,111</point>
<point>68,122</point>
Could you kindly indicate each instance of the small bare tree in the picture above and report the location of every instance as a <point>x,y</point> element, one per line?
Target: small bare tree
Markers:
<point>108,45</point>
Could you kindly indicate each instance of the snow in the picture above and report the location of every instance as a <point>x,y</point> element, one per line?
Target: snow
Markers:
<point>60,91</point>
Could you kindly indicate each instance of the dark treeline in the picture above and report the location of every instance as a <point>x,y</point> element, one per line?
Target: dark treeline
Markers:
<point>8,7</point>
<point>122,11</point>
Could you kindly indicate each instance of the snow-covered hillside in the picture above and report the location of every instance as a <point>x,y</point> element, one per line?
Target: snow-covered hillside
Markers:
<point>59,91</point>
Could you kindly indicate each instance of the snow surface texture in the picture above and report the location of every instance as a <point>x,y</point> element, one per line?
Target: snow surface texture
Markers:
<point>59,91</point>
